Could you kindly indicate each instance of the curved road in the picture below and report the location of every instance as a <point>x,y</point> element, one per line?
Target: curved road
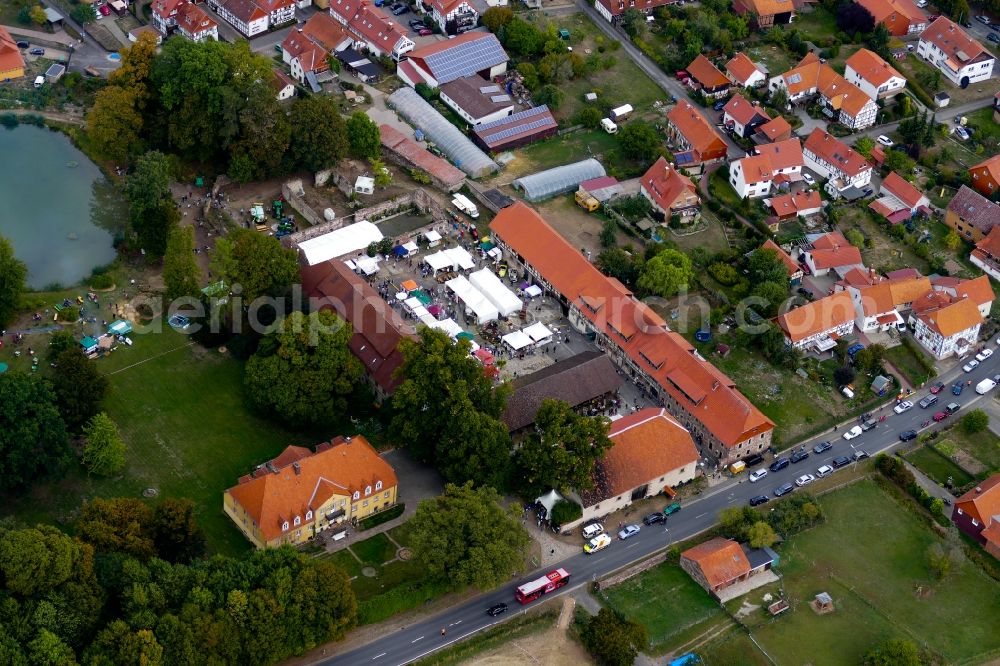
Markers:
<point>424,637</point>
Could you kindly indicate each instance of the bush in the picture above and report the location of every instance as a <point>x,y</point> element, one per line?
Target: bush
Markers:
<point>794,515</point>
<point>724,274</point>
<point>104,281</point>
<point>975,421</point>
<point>398,600</point>
<point>565,511</point>
<point>381,517</point>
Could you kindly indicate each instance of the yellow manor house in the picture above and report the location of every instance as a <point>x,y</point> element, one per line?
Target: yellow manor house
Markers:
<point>302,493</point>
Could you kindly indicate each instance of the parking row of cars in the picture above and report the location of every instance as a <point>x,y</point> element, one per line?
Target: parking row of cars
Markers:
<point>25,46</point>
<point>599,539</point>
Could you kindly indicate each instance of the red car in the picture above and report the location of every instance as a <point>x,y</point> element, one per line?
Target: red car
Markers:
<point>937,388</point>
<point>423,32</point>
<point>941,416</point>
<point>105,10</point>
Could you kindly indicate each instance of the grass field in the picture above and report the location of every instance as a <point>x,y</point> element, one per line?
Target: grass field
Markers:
<point>815,25</point>
<point>983,446</point>
<point>938,467</point>
<point>559,150</point>
<point>904,359</point>
<point>870,556</point>
<point>672,606</point>
<point>734,647</point>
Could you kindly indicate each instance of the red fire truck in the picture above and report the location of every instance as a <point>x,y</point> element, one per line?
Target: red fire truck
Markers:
<point>553,580</point>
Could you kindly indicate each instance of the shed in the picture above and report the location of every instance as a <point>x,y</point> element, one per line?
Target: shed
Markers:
<point>558,180</point>
<point>881,385</point>
<point>54,72</point>
<point>89,345</point>
<point>120,327</point>
<point>52,16</point>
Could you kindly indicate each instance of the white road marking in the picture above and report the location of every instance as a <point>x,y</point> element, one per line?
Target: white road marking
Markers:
<point>417,639</point>
<point>454,623</point>
<point>377,656</point>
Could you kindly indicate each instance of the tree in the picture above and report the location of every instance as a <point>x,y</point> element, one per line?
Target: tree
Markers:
<point>975,421</point>
<point>259,264</point>
<point>551,95</point>
<point>319,135</point>
<point>104,453</point>
<point>466,537</point>
<point>865,144</point>
<point>79,388</point>
<point>522,38</point>
<point>304,372</point>
<point>952,240</point>
<point>180,271</point>
<point>13,273</point>
<point>363,136</point>
<point>773,294</point>
<point>563,451</point>
<point>47,649</point>
<point>497,18</point>
<point>33,439</point>
<point>614,640</point>
<point>609,233</point>
<point>588,116</point>
<point>565,511</point>
<point>114,122</point>
<point>736,521</point>
<point>870,358</point>
<point>148,192</point>
<point>117,525</point>
<point>383,177</point>
<point>83,14</point>
<point>619,264</point>
<point>666,273</point>
<point>765,265</point>
<point>175,531</point>
<point>761,535</point>
<point>632,22</point>
<point>37,14</point>
<point>779,98</point>
<point>447,412</point>
<point>878,40</point>
<point>530,76</point>
<point>893,652</point>
<point>897,160</point>
<point>938,561</point>
<point>35,561</point>
<point>855,238</point>
<point>843,375</point>
<point>639,140</point>
<point>117,644</point>
<point>853,18</point>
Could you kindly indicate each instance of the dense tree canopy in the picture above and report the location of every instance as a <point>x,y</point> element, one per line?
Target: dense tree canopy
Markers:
<point>104,449</point>
<point>666,273</point>
<point>447,412</point>
<point>639,140</point>
<point>33,438</point>
<point>180,270</point>
<point>259,265</point>
<point>79,387</point>
<point>363,135</point>
<point>319,134</point>
<point>765,265</point>
<point>467,538</point>
<point>152,212</point>
<point>13,274</point>
<point>138,529</point>
<point>614,640</point>
<point>893,652</point>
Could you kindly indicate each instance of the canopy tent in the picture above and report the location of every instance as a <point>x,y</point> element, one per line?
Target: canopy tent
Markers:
<point>473,299</point>
<point>401,295</point>
<point>485,356</point>
<point>412,303</point>
<point>420,312</point>
<point>400,251</point>
<point>439,261</point>
<point>465,335</point>
<point>549,500</point>
<point>486,246</point>
<point>494,290</point>
<point>517,340</point>
<point>421,296</point>
<point>495,253</point>
<point>538,332</point>
<point>88,344</point>
<point>432,237</point>
<point>367,265</point>
<point>340,242</point>
<point>3,368</point>
<point>449,326</point>
<point>410,285</point>
<point>533,291</point>
<point>120,327</point>
<point>411,247</point>
<point>434,309</point>
<point>460,258</point>
<point>427,320</point>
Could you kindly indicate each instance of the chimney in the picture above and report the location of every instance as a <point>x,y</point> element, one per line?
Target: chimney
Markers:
<point>979,489</point>
<point>347,439</point>
<point>297,467</point>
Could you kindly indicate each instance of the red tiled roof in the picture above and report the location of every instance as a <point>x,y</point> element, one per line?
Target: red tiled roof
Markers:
<point>305,480</point>
<point>871,67</point>
<point>742,111</point>
<point>946,314</point>
<point>281,80</point>
<point>10,55</point>
<point>978,289</point>
<point>321,29</point>
<point>741,68</point>
<point>756,169</point>
<point>192,19</point>
<point>908,289</point>
<point>789,263</point>
<point>836,152</point>
<point>821,315</point>
<point>708,75</point>
<point>420,157</point>
<point>665,184</point>
<point>783,154</point>
<point>958,47</point>
<point>832,250</point>
<point>445,7</point>
<point>663,354</point>
<point>694,128</point>
<point>789,204</point>
<point>765,7</point>
<point>990,165</point>
<point>720,560</point>
<point>898,187</point>
<point>989,246</point>
<point>776,128</point>
<point>880,9</point>
<point>876,299</point>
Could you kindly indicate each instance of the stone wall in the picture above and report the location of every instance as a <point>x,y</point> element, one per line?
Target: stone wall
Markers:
<point>625,574</point>
<point>295,196</point>
<point>417,198</point>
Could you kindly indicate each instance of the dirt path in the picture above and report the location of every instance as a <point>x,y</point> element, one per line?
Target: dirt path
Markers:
<point>68,118</point>
<point>549,648</point>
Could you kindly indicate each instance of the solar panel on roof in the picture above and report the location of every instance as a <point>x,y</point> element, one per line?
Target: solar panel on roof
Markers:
<point>795,78</point>
<point>520,115</point>
<point>465,59</point>
<point>500,98</point>
<point>489,89</point>
<point>512,131</point>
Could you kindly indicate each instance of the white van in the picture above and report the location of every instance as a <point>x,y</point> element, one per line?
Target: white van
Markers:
<point>592,530</point>
<point>609,126</point>
<point>39,81</point>
<point>985,386</point>
<point>461,202</point>
<point>620,112</point>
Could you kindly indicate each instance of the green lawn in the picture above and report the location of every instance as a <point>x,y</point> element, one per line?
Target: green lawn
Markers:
<point>375,551</point>
<point>730,649</point>
<point>815,25</point>
<point>983,446</point>
<point>870,556</point>
<point>904,359</point>
<point>938,467</point>
<point>672,606</point>
<point>559,150</point>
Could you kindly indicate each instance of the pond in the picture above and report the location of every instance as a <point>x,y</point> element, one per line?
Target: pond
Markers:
<point>56,207</point>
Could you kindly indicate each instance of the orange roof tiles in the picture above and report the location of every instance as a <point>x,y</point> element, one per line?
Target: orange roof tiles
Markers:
<point>880,9</point>
<point>742,111</point>
<point>860,277</point>
<point>813,318</point>
<point>984,504</point>
<point>978,289</point>
<point>689,122</point>
<point>871,67</point>
<point>907,290</point>
<point>756,169</point>
<point>720,560</point>
<point>876,299</point>
<point>666,185</point>
<point>812,75</point>
<point>989,246</point>
<point>741,68</point>
<point>10,56</point>
<point>783,154</point>
<point>832,250</point>
<point>900,188</point>
<point>304,481</point>
<point>946,314</point>
<point>776,129</point>
<point>834,151</point>
<point>991,166</point>
<point>958,47</point>
<point>795,204</point>
<point>768,7</point>
<point>708,75</point>
<point>789,263</point>
<point>640,332</point>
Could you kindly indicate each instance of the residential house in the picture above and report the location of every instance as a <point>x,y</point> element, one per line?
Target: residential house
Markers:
<point>834,160</point>
<point>372,29</point>
<point>742,117</point>
<point>977,514</point>
<point>661,362</point>
<point>11,60</point>
<point>744,72</point>
<point>476,100</point>
<point>248,17</point>
<point>820,323</point>
<point>612,10</point>
<point>302,493</point>
<point>901,17</point>
<point>284,87</point>
<point>985,176</point>
<point>907,289</point>
<point>840,99</point>
<point>874,76</point>
<point>306,49</point>
<point>707,78</point>
<point>831,251</point>
<point>378,329</point>
<point>719,564</point>
<point>453,16</point>
<point>971,214</point>
<point>184,17</point>
<point>650,453</point>
<point>874,307</point>
<point>776,130</point>
<point>794,270</point>
<point>986,254</point>
<point>766,13</point>
<point>695,141</point>
<point>977,290</point>
<point>960,58</point>
<point>670,191</point>
<point>786,159</point>
<point>791,206</point>
<point>899,200</point>
<point>574,380</point>
<point>944,324</point>
<point>441,62</point>
<point>751,176</point>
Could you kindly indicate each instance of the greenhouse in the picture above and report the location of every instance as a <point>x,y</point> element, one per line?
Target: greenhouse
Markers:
<point>559,180</point>
<point>446,136</point>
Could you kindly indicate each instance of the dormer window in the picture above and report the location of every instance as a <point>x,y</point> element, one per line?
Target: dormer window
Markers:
<point>309,515</point>
<point>378,485</point>
<point>284,526</point>
<point>356,495</point>
<point>297,521</point>
<point>368,491</point>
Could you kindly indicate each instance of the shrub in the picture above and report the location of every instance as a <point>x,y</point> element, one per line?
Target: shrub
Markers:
<point>104,281</point>
<point>975,421</point>
<point>377,519</point>
<point>794,515</point>
<point>724,274</point>
<point>565,511</point>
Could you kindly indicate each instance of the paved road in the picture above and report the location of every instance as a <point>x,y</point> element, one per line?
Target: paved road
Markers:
<point>944,116</point>
<point>424,637</point>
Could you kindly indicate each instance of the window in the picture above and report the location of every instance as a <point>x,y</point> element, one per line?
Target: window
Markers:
<point>297,521</point>
<point>366,503</point>
<point>387,494</point>
<point>378,486</point>
<point>356,495</point>
<point>284,526</point>
<point>368,490</point>
<point>309,515</point>
<point>975,523</point>
<point>298,534</point>
<point>960,512</point>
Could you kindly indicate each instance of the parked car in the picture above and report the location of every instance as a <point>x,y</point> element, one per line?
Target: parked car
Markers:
<point>927,401</point>
<point>600,542</point>
<point>783,489</point>
<point>904,406</point>
<point>984,354</point>
<point>907,435</point>
<point>854,349</point>
<point>37,51</point>
<point>780,463</point>
<point>424,32</point>
<point>757,500</point>
<point>808,178</point>
<point>105,10</point>
<point>23,45</point>
<point>416,24</point>
<point>985,20</point>
<point>824,471</point>
<point>757,475</point>
<point>628,531</point>
<point>673,507</point>
<point>993,37</point>
<point>853,432</point>
<point>956,388</point>
<point>592,530</point>
<point>822,447</point>
<point>937,388</point>
<point>804,480</point>
<point>940,416</point>
<point>953,407</point>
<point>868,424</point>
<point>498,609</point>
<point>755,459</point>
<point>885,141</point>
<point>718,106</point>
<point>961,133</point>
<point>860,454</point>
<point>653,518</point>
<point>399,9</point>
<point>805,292</point>
<point>841,461</point>
<point>798,455</point>
<point>970,366</point>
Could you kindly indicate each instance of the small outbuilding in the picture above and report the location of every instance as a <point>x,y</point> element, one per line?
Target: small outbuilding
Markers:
<point>364,185</point>
<point>558,180</point>
<point>89,345</point>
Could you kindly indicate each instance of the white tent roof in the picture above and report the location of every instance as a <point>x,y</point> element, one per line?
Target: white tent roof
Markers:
<point>368,265</point>
<point>411,247</point>
<point>449,326</point>
<point>549,500</point>
<point>427,319</point>
<point>517,340</point>
<point>412,303</point>
<point>532,291</point>
<point>494,290</point>
<point>495,252</point>
<point>460,258</point>
<point>538,331</point>
<point>432,236</point>
<point>473,299</point>
<point>339,242</point>
<point>420,312</point>
<point>438,261</point>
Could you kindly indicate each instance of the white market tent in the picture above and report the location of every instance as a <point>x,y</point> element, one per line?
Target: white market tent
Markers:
<point>340,242</point>
<point>460,258</point>
<point>412,303</point>
<point>495,253</point>
<point>433,237</point>
<point>438,261</point>
<point>427,319</point>
<point>494,290</point>
<point>367,265</point>
<point>420,312</point>
<point>473,299</point>
<point>549,500</point>
<point>411,247</point>
<point>449,326</point>
<point>532,291</point>
<point>538,332</point>
<point>517,340</point>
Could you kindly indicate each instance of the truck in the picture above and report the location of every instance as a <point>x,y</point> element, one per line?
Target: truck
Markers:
<point>609,126</point>
<point>461,202</point>
<point>550,582</point>
<point>587,201</point>
<point>985,386</point>
<point>621,112</point>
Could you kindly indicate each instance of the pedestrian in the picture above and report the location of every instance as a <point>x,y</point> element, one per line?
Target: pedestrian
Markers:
<point>443,631</point>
